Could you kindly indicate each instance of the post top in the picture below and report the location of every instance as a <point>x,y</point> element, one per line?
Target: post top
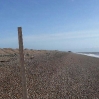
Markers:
<point>19,27</point>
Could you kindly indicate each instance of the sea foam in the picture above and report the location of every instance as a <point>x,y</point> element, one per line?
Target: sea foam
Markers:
<point>91,55</point>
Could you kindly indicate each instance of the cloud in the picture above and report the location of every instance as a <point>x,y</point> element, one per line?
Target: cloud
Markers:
<point>58,36</point>
<point>70,40</point>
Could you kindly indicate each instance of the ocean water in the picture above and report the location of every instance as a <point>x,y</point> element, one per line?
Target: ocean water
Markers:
<point>91,54</point>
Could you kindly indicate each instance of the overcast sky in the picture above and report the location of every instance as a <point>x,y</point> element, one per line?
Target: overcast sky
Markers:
<point>50,24</point>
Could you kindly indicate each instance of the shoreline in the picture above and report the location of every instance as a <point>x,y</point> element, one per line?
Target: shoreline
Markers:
<point>91,55</point>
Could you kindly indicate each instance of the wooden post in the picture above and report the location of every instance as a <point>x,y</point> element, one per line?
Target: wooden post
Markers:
<point>22,63</point>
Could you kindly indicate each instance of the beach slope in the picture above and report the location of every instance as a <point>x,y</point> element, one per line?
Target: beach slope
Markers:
<point>52,75</point>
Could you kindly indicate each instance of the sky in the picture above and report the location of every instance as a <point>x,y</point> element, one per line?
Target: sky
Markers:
<point>50,24</point>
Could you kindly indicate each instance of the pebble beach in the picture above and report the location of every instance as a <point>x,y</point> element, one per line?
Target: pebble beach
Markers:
<point>52,75</point>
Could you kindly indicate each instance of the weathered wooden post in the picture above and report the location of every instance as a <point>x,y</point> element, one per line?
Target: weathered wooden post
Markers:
<point>22,63</point>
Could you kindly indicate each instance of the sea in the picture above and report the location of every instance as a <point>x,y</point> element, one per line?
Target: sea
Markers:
<point>91,54</point>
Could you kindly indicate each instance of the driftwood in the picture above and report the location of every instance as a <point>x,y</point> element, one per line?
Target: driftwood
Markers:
<point>4,61</point>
